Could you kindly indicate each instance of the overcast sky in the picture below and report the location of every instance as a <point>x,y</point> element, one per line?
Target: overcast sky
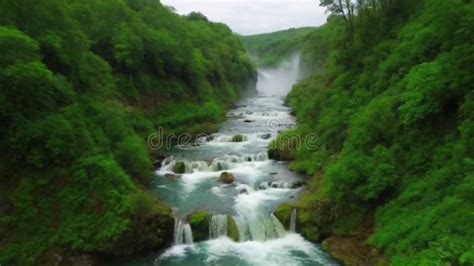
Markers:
<point>255,16</point>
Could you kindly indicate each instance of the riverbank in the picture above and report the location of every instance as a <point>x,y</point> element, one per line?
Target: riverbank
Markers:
<point>83,85</point>
<point>393,116</point>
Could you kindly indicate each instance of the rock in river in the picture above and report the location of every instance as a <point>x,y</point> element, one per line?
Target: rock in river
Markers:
<point>227,178</point>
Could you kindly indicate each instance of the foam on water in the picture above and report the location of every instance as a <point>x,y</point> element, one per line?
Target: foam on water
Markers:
<point>260,186</point>
<point>291,249</point>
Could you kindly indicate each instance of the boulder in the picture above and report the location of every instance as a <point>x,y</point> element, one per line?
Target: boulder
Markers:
<point>157,160</point>
<point>232,229</point>
<point>238,138</point>
<point>297,184</point>
<point>283,213</point>
<point>243,191</point>
<point>266,136</point>
<point>227,178</point>
<point>281,150</point>
<point>199,222</point>
<point>180,168</point>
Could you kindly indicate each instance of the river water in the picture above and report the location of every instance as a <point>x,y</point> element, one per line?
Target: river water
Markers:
<point>260,186</point>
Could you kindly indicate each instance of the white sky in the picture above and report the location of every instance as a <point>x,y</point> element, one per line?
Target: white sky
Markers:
<point>255,16</point>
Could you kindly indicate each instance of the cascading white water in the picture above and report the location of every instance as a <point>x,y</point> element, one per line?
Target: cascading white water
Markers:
<point>182,233</point>
<point>259,186</point>
<point>220,165</point>
<point>252,221</point>
<point>293,220</point>
<point>188,234</point>
<point>218,226</point>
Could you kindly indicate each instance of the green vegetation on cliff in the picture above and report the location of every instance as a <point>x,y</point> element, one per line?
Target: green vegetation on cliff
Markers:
<point>269,49</point>
<point>392,102</point>
<point>82,84</point>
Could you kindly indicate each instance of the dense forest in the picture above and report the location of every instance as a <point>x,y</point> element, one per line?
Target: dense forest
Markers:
<point>388,90</point>
<point>269,49</point>
<point>82,84</point>
<point>391,99</point>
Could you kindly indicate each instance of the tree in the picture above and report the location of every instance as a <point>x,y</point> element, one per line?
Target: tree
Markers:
<point>344,8</point>
<point>128,47</point>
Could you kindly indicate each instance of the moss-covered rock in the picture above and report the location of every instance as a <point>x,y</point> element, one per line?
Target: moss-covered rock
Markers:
<point>180,168</point>
<point>283,213</point>
<point>151,227</point>
<point>283,147</point>
<point>199,222</point>
<point>315,218</point>
<point>232,229</point>
<point>238,138</point>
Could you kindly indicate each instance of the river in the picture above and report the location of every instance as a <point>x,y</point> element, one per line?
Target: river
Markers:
<point>260,186</point>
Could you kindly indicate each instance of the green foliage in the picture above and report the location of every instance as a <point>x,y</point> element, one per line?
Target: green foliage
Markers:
<point>424,89</point>
<point>82,84</point>
<point>270,49</point>
<point>393,113</point>
<point>238,138</point>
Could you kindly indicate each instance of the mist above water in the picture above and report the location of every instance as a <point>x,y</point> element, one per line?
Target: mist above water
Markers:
<point>279,81</point>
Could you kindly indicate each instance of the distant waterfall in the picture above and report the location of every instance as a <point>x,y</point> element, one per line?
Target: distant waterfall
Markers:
<point>218,226</point>
<point>182,232</point>
<point>293,220</point>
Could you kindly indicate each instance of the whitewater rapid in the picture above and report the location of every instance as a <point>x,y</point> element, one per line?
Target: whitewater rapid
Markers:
<point>260,186</point>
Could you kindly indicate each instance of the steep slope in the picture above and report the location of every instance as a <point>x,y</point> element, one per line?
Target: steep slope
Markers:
<point>269,49</point>
<point>82,84</point>
<point>393,111</point>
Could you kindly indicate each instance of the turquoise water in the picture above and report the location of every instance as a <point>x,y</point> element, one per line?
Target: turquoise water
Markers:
<point>260,186</point>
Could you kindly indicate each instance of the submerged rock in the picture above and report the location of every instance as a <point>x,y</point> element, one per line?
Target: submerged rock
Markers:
<point>264,185</point>
<point>199,222</point>
<point>243,191</point>
<point>227,178</point>
<point>172,176</point>
<point>266,136</point>
<point>210,138</point>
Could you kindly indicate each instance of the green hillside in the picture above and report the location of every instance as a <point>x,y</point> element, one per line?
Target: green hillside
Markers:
<point>269,49</point>
<point>392,103</point>
<point>82,85</point>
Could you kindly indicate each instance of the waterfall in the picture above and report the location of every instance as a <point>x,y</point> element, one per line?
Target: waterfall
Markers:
<point>293,220</point>
<point>188,234</point>
<point>218,226</point>
<point>200,166</point>
<point>182,232</point>
<point>262,156</point>
<point>259,228</point>
<point>278,227</point>
<point>219,165</point>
